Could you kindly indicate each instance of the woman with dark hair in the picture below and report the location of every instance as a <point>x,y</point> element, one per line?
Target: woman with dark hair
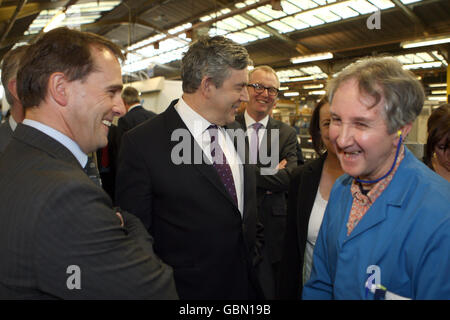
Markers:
<point>437,149</point>
<point>307,199</point>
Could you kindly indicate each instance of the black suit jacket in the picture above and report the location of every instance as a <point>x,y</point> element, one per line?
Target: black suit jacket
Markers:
<point>5,134</point>
<point>302,193</point>
<point>272,189</point>
<point>53,217</point>
<point>198,230</point>
<point>131,119</point>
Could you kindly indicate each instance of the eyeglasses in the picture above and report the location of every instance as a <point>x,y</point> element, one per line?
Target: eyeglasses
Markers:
<point>259,88</point>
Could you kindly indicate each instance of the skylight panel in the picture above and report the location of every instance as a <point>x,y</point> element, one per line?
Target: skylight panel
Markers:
<point>259,15</point>
<point>289,8</point>
<point>326,15</point>
<point>295,23</point>
<point>235,23</point>
<point>362,6</point>
<point>425,56</point>
<point>225,26</point>
<point>382,4</point>
<point>241,37</point>
<point>414,58</point>
<point>343,10</point>
<point>205,18</point>
<point>304,4</point>
<point>75,15</point>
<point>275,14</point>
<point>309,18</point>
<point>258,32</point>
<point>280,26</point>
<point>403,59</point>
<point>241,19</point>
<point>409,1</point>
<point>439,56</point>
<point>217,32</point>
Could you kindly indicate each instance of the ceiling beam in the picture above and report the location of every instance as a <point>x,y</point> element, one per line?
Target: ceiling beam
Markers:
<point>411,15</point>
<point>13,19</point>
<point>29,9</point>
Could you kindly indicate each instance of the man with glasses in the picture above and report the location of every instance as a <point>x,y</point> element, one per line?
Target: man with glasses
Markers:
<point>271,189</point>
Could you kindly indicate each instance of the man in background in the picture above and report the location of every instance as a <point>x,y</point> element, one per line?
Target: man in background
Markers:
<point>135,115</point>
<point>272,189</point>
<point>9,68</point>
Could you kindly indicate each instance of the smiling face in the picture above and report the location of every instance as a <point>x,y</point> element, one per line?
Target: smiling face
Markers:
<point>94,101</point>
<point>359,134</point>
<point>225,100</point>
<point>260,104</point>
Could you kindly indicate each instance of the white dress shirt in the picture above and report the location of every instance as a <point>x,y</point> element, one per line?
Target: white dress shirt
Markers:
<point>198,127</point>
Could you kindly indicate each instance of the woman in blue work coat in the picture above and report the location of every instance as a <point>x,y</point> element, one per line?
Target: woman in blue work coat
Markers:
<point>386,230</point>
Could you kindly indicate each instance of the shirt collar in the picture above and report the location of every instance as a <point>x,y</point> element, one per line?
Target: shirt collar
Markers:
<point>195,123</point>
<point>250,121</point>
<point>12,123</point>
<point>134,106</point>
<point>61,138</point>
<point>378,188</point>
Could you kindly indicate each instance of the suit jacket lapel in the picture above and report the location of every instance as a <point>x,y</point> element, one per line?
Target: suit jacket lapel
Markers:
<point>40,140</point>
<point>173,121</point>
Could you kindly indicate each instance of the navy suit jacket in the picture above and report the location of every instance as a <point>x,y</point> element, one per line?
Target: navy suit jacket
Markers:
<point>197,227</point>
<point>54,218</point>
<point>5,135</point>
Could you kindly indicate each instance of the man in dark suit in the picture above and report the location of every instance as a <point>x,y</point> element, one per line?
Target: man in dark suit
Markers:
<point>60,237</point>
<point>200,208</point>
<point>261,130</point>
<point>136,114</point>
<point>9,68</point>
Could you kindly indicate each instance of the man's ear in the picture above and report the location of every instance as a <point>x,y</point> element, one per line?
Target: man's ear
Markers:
<point>12,88</point>
<point>58,88</point>
<point>206,86</point>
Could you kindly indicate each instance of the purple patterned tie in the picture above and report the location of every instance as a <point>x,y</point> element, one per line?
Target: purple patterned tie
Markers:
<point>254,145</point>
<point>221,164</point>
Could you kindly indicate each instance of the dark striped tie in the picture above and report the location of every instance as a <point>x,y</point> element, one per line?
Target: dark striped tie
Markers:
<point>221,164</point>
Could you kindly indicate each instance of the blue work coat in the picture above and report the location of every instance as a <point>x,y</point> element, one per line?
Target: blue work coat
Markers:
<point>401,243</point>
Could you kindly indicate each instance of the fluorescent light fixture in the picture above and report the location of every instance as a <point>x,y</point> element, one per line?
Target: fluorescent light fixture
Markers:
<point>313,86</point>
<point>283,88</point>
<point>425,42</point>
<point>439,92</point>
<point>317,92</point>
<point>313,57</point>
<point>291,94</point>
<point>301,78</point>
<point>437,98</point>
<point>425,65</point>
<point>437,85</point>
